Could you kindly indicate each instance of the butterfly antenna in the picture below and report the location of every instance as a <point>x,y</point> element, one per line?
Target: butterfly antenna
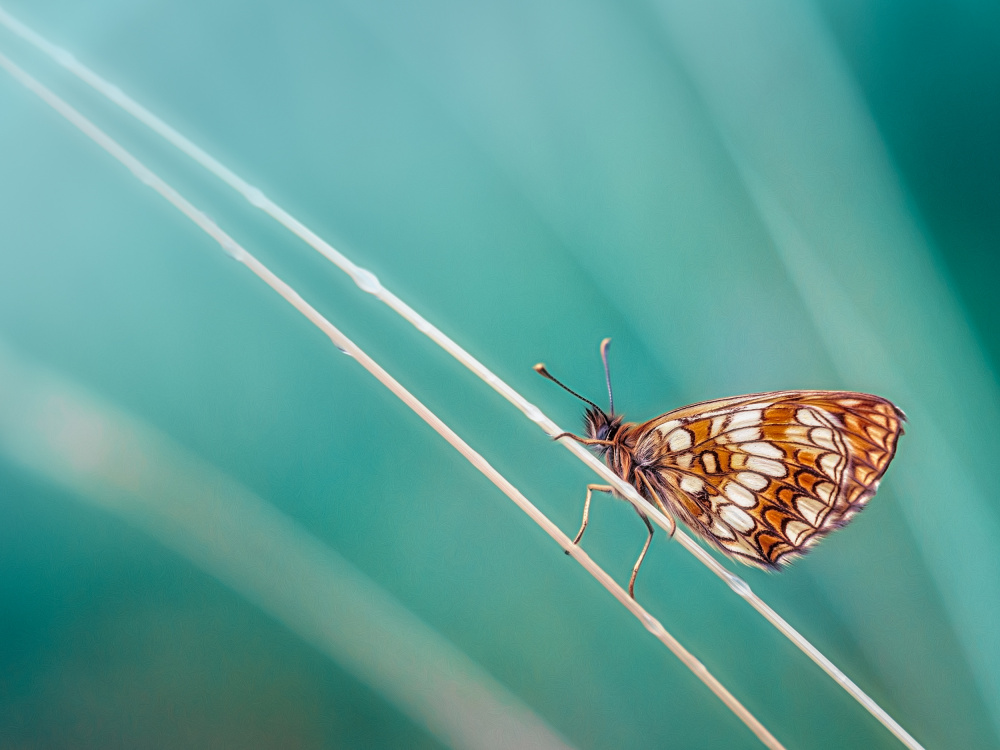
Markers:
<point>540,369</point>
<point>607,373</point>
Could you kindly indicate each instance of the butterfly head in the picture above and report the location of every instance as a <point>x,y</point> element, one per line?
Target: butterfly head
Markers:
<point>599,425</point>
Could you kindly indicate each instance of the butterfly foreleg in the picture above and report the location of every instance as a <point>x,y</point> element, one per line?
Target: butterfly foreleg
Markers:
<point>642,555</point>
<point>584,441</point>
<point>586,508</point>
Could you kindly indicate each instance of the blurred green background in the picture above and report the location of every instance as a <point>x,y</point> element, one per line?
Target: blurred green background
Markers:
<point>745,197</point>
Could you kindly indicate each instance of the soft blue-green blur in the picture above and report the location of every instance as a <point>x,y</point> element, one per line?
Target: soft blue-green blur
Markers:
<point>745,197</point>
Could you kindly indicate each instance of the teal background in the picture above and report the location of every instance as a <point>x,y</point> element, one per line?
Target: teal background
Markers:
<point>743,197</point>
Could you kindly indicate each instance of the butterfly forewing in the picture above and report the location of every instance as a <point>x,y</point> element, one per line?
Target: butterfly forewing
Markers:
<point>765,476</point>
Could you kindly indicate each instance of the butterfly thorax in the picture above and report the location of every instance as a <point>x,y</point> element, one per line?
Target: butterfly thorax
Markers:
<point>623,451</point>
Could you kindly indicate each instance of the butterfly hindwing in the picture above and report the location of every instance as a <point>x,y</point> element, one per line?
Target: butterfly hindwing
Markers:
<point>765,476</point>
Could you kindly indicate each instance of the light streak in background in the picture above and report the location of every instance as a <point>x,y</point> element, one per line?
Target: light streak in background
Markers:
<point>56,430</point>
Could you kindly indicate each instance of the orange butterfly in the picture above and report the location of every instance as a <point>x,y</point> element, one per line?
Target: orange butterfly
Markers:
<point>762,477</point>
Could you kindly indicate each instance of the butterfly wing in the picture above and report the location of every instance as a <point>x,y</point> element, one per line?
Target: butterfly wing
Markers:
<point>766,476</point>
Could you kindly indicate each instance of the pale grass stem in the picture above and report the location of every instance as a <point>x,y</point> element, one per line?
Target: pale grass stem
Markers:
<point>368,282</point>
<point>238,252</point>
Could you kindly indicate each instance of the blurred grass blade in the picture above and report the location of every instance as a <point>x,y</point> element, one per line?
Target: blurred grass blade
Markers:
<point>55,429</point>
<point>370,284</point>
<point>859,254</point>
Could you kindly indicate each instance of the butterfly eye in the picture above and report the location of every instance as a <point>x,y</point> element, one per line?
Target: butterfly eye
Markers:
<point>602,431</point>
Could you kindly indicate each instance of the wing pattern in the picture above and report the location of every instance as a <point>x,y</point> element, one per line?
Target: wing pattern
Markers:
<point>766,476</point>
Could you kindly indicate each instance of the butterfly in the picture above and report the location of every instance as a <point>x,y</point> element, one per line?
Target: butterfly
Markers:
<point>761,477</point>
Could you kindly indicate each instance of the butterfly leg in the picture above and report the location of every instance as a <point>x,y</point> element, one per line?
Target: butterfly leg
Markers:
<point>586,508</point>
<point>642,555</point>
<point>659,503</point>
<point>669,516</point>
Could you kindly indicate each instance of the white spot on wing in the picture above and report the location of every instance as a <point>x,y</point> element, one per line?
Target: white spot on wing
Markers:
<point>810,508</point>
<point>721,531</point>
<point>740,495</point>
<point>717,424</point>
<point>752,480</point>
<point>768,450</point>
<point>684,460</point>
<point>709,462</point>
<point>680,439</point>
<point>745,418</point>
<point>828,463</point>
<point>743,435</point>
<point>668,427</point>
<point>737,518</point>
<point>796,530</point>
<point>766,466</point>
<point>824,491</point>
<point>823,437</point>
<point>692,484</point>
<point>808,417</point>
